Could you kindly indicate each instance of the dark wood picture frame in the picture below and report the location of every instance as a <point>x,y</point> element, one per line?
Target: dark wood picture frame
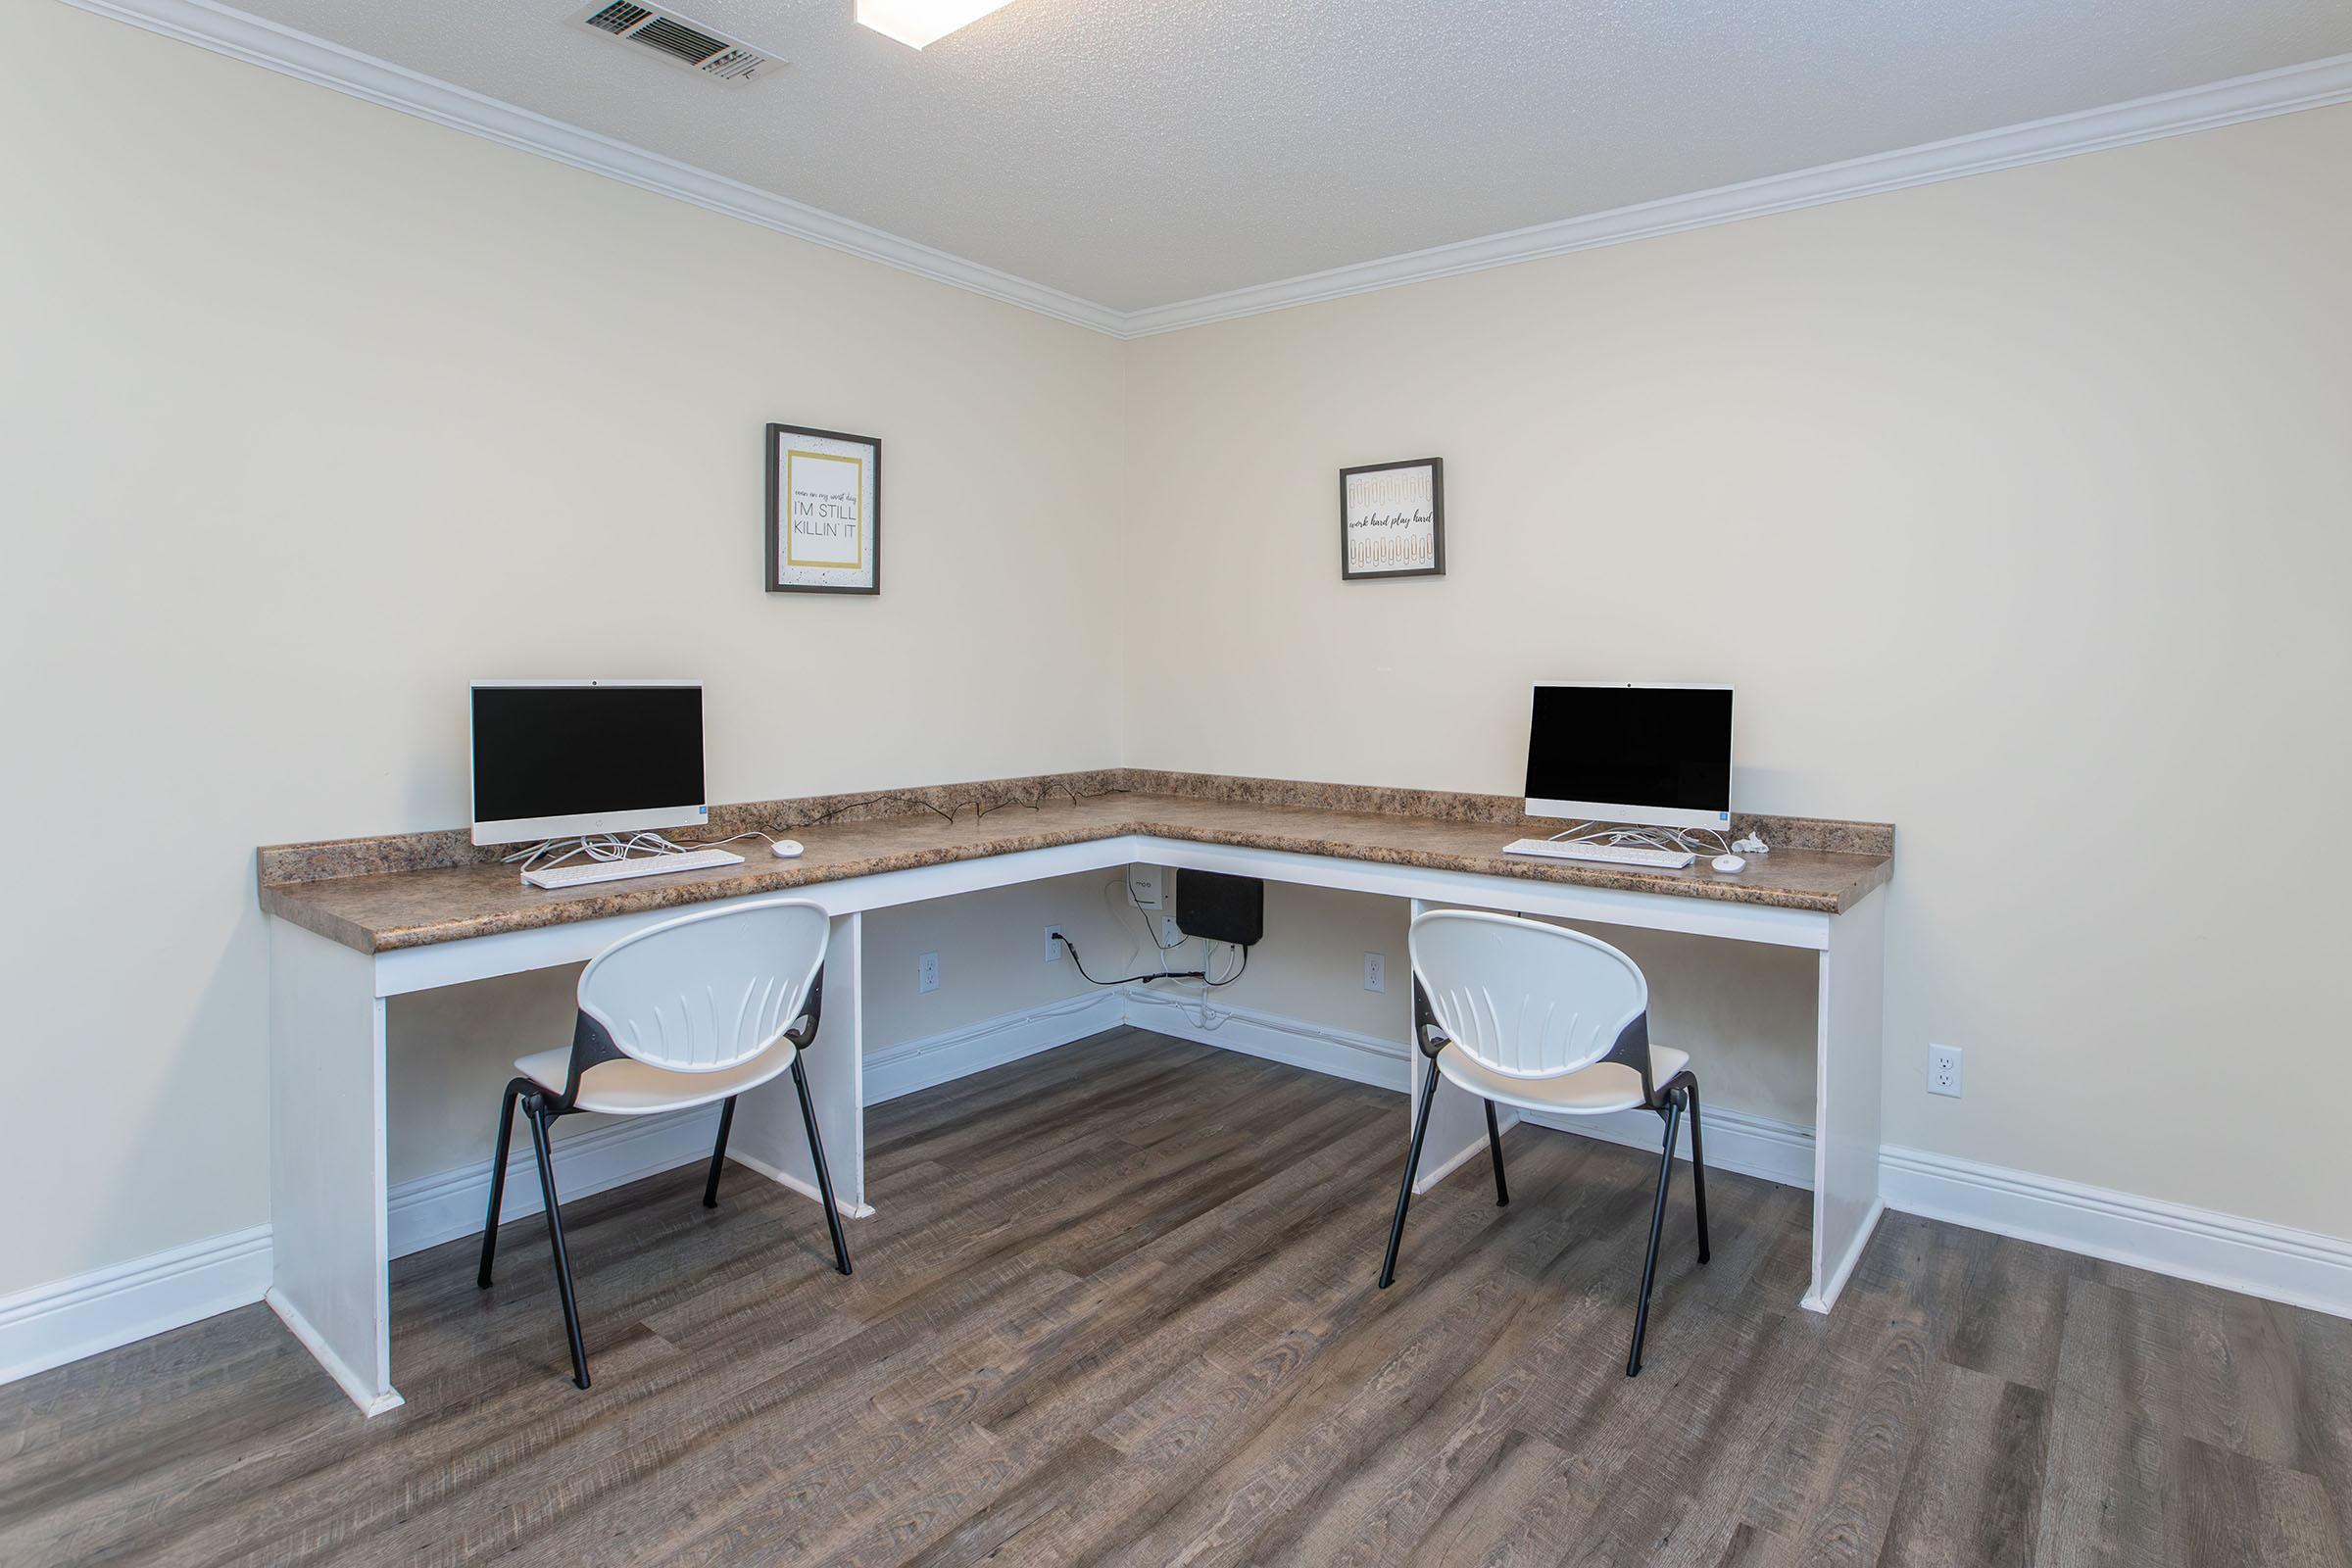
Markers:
<point>1436,517</point>
<point>775,521</point>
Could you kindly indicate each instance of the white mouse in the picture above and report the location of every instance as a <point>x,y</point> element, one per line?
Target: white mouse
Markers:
<point>787,849</point>
<point>1729,864</point>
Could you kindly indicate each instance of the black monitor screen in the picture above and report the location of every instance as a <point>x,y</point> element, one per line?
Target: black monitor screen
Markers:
<point>584,751</point>
<point>1665,747</point>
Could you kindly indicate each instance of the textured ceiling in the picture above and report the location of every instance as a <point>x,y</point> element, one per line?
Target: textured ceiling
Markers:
<point>1140,152</point>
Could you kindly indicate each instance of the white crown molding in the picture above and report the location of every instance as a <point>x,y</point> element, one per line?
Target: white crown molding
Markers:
<point>267,44</point>
<point>260,42</point>
<point>2313,85</point>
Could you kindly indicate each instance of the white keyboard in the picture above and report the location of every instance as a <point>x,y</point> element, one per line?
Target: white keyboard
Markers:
<point>572,876</point>
<point>1600,853</point>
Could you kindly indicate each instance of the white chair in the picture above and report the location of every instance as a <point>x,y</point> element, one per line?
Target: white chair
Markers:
<point>693,1010</point>
<point>1538,1016</point>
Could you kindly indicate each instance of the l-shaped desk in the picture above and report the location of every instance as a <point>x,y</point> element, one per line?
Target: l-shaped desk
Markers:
<point>357,921</point>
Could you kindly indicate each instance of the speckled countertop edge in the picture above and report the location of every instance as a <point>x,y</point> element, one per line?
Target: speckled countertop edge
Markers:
<point>421,889</point>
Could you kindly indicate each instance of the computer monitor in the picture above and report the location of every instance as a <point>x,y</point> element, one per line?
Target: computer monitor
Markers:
<point>1649,756</point>
<point>560,758</point>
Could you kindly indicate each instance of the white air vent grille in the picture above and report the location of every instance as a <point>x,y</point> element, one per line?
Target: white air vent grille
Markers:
<point>673,39</point>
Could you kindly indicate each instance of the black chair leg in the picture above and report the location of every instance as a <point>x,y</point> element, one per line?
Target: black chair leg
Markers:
<point>719,1154</point>
<point>1503,1194</point>
<point>816,1157</point>
<point>536,1108</point>
<point>1657,1223</point>
<point>1698,1172</point>
<point>498,1181</point>
<point>1412,1163</point>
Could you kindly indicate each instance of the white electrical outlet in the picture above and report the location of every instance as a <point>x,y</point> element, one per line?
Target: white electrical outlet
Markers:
<point>1376,973</point>
<point>1143,885</point>
<point>1170,933</point>
<point>926,973</point>
<point>1053,947</point>
<point>1943,1070</point>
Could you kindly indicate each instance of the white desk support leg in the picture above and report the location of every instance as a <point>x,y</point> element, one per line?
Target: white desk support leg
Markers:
<point>1457,1123</point>
<point>329,1248</point>
<point>1849,1020</point>
<point>768,1136</point>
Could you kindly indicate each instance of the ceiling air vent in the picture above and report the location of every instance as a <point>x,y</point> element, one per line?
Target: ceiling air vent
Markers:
<point>687,45</point>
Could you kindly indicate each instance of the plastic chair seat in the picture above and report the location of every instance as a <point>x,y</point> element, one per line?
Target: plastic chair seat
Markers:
<point>630,1088</point>
<point>1592,1090</point>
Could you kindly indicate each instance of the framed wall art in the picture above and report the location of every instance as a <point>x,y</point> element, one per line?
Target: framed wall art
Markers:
<point>1393,519</point>
<point>824,512</point>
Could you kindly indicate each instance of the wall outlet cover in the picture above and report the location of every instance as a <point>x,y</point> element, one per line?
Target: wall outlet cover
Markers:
<point>1943,1070</point>
<point>1376,971</point>
<point>1053,947</point>
<point>926,973</point>
<point>1170,934</point>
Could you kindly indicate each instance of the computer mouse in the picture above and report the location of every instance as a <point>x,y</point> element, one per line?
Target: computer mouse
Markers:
<point>1729,864</point>
<point>787,849</point>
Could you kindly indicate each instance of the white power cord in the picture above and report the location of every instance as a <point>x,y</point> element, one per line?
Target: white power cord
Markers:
<point>595,846</point>
<point>768,839</point>
<point>1685,839</point>
<point>1204,1017</point>
<point>613,847</point>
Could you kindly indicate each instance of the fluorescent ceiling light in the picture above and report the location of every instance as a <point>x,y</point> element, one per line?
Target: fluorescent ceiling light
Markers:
<point>921,22</point>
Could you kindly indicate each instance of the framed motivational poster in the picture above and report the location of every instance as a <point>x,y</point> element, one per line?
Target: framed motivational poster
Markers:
<point>824,512</point>
<point>1393,519</point>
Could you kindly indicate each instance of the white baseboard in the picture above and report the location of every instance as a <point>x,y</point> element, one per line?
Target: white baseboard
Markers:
<point>2276,1262</point>
<point>2254,1257</point>
<point>914,1064</point>
<point>1753,1146</point>
<point>441,1208</point>
<point>49,1325</point>
<point>68,1319</point>
<point>1336,1052</point>
<point>450,1204</point>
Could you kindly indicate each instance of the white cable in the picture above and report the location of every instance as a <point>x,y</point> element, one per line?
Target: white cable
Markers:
<point>713,843</point>
<point>1162,948</point>
<point>1118,923</point>
<point>601,847</point>
<point>1200,1019</point>
<point>1649,838</point>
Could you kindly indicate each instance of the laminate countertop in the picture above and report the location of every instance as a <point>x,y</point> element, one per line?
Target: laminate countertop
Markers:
<point>362,893</point>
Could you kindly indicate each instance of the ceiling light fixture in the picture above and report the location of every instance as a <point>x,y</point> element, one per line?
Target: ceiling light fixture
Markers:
<point>916,22</point>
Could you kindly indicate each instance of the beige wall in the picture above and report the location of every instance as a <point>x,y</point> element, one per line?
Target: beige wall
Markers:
<point>2015,506</point>
<point>312,411</point>
<point>2016,509</point>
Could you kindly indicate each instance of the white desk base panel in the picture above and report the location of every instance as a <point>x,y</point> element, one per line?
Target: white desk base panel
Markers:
<point>328,1182</point>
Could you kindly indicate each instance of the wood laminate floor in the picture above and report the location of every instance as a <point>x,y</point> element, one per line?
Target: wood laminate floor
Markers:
<point>1117,1308</point>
